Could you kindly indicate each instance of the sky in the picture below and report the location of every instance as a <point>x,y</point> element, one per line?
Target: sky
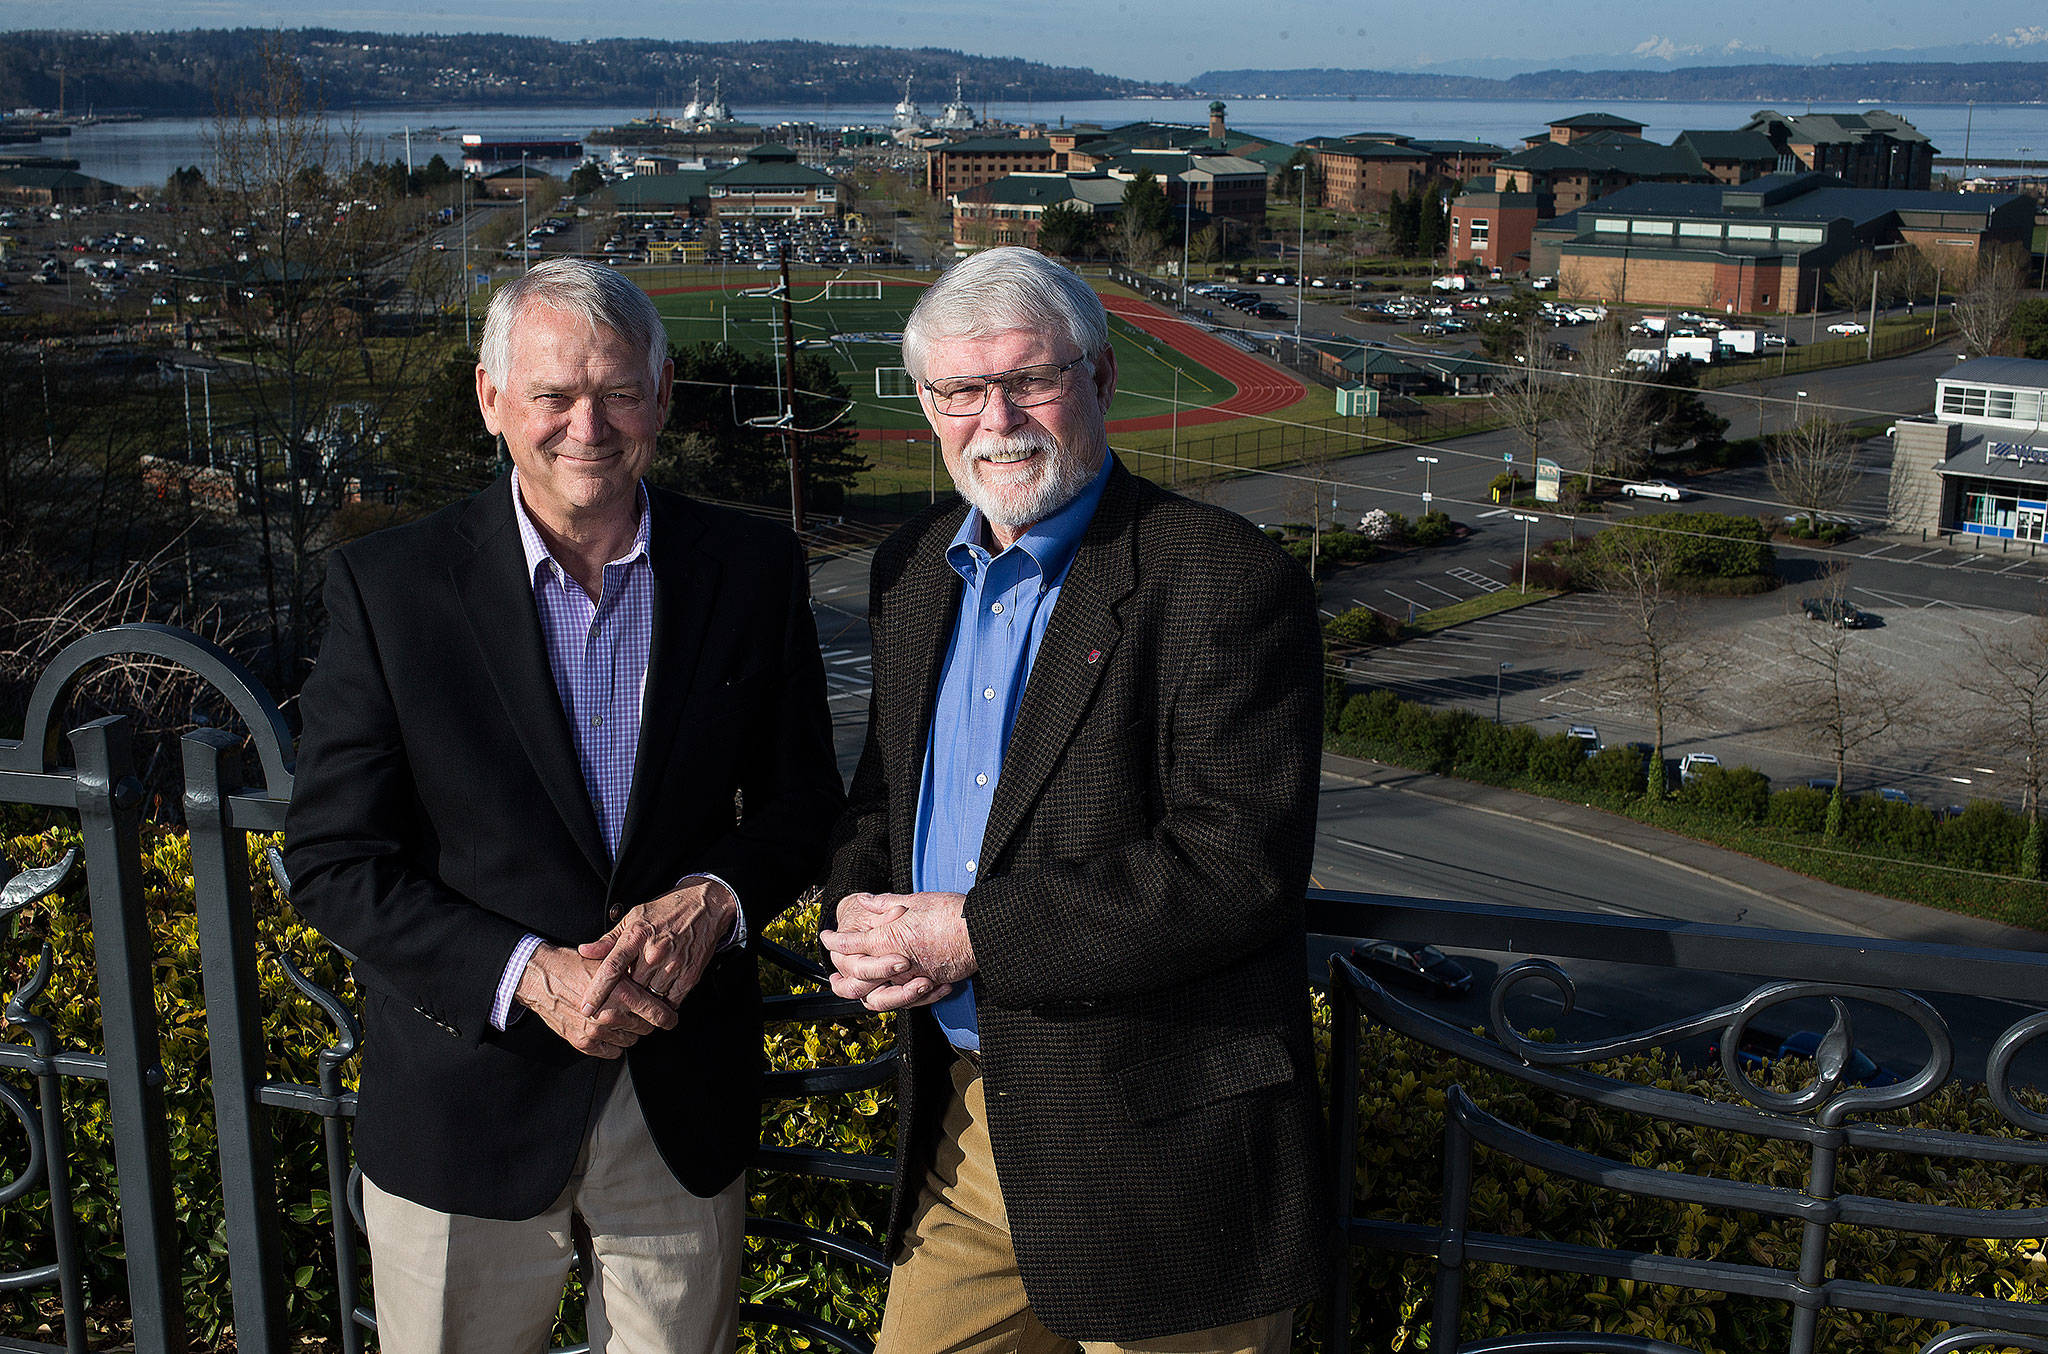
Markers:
<point>1154,39</point>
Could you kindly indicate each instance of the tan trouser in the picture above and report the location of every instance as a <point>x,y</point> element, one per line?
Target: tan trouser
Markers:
<point>957,1290</point>
<point>665,1273</point>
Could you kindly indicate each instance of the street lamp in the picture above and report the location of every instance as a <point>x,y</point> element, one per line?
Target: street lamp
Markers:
<point>1425,462</point>
<point>1525,519</point>
<point>1876,266</point>
<point>1798,395</point>
<point>1300,253</point>
<point>1187,222</point>
<point>1496,689</point>
<point>525,231</point>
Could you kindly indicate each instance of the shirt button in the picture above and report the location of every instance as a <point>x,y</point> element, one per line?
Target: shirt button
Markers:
<point>981,779</point>
<point>988,693</point>
<point>617,912</point>
<point>970,867</point>
<point>597,721</point>
<point>996,607</point>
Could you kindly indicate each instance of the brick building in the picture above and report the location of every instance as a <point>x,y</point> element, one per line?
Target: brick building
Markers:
<point>1008,210</point>
<point>1362,172</point>
<point>955,165</point>
<point>1761,247</point>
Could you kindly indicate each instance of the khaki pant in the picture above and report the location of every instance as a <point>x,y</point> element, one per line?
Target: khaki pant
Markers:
<point>957,1290</point>
<point>665,1272</point>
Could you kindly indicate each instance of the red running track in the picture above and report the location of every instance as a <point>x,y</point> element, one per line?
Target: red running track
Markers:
<point>1261,388</point>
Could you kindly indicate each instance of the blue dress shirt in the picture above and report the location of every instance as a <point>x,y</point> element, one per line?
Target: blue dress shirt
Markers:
<point>1007,603</point>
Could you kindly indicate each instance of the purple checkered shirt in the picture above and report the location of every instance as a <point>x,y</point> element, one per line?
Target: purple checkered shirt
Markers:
<point>597,652</point>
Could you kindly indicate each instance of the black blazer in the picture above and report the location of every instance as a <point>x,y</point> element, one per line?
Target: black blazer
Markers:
<point>439,813</point>
<point>1137,917</point>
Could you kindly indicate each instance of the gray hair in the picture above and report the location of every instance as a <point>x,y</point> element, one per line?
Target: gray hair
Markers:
<point>600,295</point>
<point>1001,289</point>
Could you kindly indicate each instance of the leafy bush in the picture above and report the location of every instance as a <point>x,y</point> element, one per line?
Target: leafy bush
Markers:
<point>1984,836</point>
<point>1619,771</point>
<point>1739,792</point>
<point>1429,737</point>
<point>1432,528</point>
<point>1560,759</point>
<point>1362,625</point>
<point>1370,715</point>
<point>1798,810</point>
<point>1492,752</point>
<point>1906,829</point>
<point>1347,547</point>
<point>1384,526</point>
<point>1703,544</point>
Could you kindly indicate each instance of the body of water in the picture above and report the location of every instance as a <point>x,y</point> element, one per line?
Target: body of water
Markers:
<point>137,154</point>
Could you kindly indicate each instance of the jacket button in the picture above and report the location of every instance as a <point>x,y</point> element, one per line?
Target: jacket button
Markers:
<point>617,912</point>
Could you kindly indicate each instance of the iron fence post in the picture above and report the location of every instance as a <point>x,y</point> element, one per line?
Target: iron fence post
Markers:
<point>110,815</point>
<point>234,1036</point>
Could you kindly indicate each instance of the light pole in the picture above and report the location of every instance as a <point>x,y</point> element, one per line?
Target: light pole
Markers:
<point>1876,266</point>
<point>1300,253</point>
<point>1496,689</point>
<point>525,232</point>
<point>1187,222</point>
<point>1425,462</point>
<point>1525,519</point>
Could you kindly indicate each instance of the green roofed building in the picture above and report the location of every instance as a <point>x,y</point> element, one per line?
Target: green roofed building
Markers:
<point>51,187</point>
<point>772,183</point>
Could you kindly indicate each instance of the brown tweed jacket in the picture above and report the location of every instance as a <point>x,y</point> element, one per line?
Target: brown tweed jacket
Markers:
<point>1137,919</point>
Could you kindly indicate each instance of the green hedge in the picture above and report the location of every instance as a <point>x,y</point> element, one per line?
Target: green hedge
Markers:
<point>1398,1168</point>
<point>1975,862</point>
<point>1704,545</point>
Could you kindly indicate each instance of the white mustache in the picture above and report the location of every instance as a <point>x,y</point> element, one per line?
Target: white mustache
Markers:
<point>990,446</point>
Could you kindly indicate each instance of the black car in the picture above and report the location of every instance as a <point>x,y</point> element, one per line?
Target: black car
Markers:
<point>1422,967</point>
<point>1834,611</point>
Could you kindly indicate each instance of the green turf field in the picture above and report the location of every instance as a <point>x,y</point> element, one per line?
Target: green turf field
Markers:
<point>1145,366</point>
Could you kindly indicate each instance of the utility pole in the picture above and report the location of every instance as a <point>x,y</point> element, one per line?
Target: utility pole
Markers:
<point>1525,519</point>
<point>789,431</point>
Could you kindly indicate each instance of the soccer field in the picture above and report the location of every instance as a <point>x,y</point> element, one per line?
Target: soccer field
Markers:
<point>849,330</point>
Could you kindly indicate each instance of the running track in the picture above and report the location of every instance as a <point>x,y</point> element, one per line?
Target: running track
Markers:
<point>1261,388</point>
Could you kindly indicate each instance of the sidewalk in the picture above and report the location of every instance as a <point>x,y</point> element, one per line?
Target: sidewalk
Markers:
<point>1835,908</point>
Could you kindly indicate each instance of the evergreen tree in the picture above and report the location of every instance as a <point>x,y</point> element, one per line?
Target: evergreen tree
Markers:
<point>1065,231</point>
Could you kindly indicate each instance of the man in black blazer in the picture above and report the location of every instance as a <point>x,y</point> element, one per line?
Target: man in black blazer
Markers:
<point>565,749</point>
<point>1075,851</point>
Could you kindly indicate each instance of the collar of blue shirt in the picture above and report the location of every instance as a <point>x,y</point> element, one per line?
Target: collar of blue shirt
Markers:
<point>1050,544</point>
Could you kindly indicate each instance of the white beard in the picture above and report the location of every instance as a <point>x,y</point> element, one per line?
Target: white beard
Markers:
<point>1058,478</point>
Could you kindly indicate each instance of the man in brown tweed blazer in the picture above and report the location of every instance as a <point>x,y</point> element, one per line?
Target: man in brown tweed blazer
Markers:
<point>1075,854</point>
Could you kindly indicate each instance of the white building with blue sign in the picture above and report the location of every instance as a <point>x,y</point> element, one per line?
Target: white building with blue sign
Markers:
<point>1979,466</point>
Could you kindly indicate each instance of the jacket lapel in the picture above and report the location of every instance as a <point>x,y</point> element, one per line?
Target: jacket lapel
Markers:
<point>686,584</point>
<point>498,606</point>
<point>910,645</point>
<point>1079,645</point>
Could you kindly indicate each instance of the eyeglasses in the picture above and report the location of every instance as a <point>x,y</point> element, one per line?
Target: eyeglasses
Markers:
<point>1023,388</point>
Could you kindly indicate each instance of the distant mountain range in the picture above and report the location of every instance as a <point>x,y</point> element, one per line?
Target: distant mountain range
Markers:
<point>179,72</point>
<point>1664,54</point>
<point>1849,82</point>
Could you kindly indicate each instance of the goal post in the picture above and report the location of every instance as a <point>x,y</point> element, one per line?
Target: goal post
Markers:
<point>854,289</point>
<point>894,383</point>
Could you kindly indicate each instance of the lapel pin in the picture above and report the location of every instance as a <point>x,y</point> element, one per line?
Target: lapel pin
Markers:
<point>1094,654</point>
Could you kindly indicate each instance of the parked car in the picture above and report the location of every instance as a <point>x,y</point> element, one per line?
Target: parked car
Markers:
<point>1587,735</point>
<point>1780,341</point>
<point>1544,283</point>
<point>1822,784</point>
<point>1759,1047</point>
<point>1670,493</point>
<point>1892,794</point>
<point>1834,611</point>
<point>1847,327</point>
<point>1692,763</point>
<point>1424,968</point>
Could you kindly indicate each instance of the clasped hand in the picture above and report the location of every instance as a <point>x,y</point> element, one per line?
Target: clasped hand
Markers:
<point>893,951</point>
<point>605,996</point>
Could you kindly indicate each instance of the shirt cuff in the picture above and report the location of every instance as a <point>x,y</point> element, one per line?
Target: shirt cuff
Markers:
<point>738,935</point>
<point>502,1013</point>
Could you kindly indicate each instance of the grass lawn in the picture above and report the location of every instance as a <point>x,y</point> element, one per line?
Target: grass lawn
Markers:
<point>861,334</point>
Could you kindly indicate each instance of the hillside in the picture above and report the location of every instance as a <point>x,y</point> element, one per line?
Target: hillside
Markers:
<point>1885,82</point>
<point>178,72</point>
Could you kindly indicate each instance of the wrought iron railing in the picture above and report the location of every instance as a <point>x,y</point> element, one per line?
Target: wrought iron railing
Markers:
<point>92,771</point>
